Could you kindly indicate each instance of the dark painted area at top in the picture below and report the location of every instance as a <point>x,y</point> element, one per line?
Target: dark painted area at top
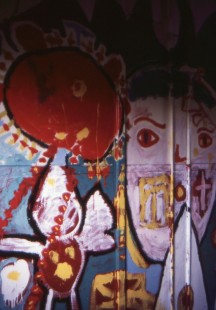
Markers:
<point>135,39</point>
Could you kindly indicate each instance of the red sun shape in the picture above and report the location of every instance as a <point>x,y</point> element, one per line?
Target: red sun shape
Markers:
<point>62,98</point>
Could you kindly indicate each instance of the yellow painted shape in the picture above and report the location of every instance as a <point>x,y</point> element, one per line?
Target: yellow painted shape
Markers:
<point>13,275</point>
<point>180,192</point>
<point>3,113</point>
<point>51,181</point>
<point>120,206</point>
<point>123,226</point>
<point>157,184</point>
<point>64,271</point>
<point>35,169</point>
<point>82,134</point>
<point>61,135</point>
<point>70,251</point>
<point>54,256</point>
<point>196,152</point>
<point>80,91</point>
<point>120,288</point>
<point>122,174</point>
<point>210,157</point>
<point>133,249</point>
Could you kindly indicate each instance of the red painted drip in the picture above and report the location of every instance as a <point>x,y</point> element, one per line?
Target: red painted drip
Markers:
<point>178,158</point>
<point>91,173</point>
<point>105,171</point>
<point>76,150</point>
<point>72,181</point>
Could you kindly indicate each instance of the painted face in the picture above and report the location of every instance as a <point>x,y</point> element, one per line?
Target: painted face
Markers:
<point>203,164</point>
<point>195,145</point>
<point>149,151</point>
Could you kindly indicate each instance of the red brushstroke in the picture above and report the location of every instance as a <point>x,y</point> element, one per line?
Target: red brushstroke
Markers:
<point>178,158</point>
<point>48,268</point>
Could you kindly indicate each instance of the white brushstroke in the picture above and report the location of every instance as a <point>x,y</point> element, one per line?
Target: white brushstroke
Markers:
<point>98,220</point>
<point>15,278</point>
<point>20,245</point>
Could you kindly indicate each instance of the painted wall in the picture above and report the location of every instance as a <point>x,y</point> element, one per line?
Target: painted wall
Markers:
<point>107,155</point>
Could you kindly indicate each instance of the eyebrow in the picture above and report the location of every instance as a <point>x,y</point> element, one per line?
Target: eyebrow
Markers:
<point>143,118</point>
<point>205,129</point>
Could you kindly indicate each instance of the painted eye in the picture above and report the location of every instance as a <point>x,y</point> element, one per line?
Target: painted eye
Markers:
<point>204,140</point>
<point>147,137</point>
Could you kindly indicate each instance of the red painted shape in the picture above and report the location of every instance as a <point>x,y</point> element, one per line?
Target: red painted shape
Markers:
<point>146,137</point>
<point>62,209</point>
<point>3,222</point>
<point>72,181</point>
<point>205,140</point>
<point>202,186</point>
<point>24,187</point>
<point>180,192</point>
<point>58,219</point>
<point>178,158</point>
<point>66,196</point>
<point>66,256</point>
<point>56,112</point>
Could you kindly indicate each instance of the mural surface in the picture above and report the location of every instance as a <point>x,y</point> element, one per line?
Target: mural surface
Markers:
<point>107,155</point>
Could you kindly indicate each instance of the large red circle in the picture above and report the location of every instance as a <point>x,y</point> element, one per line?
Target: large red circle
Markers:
<point>63,98</point>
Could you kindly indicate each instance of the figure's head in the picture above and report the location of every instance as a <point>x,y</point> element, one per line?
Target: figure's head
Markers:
<point>168,132</point>
<point>149,154</point>
<point>68,101</point>
<point>202,135</point>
